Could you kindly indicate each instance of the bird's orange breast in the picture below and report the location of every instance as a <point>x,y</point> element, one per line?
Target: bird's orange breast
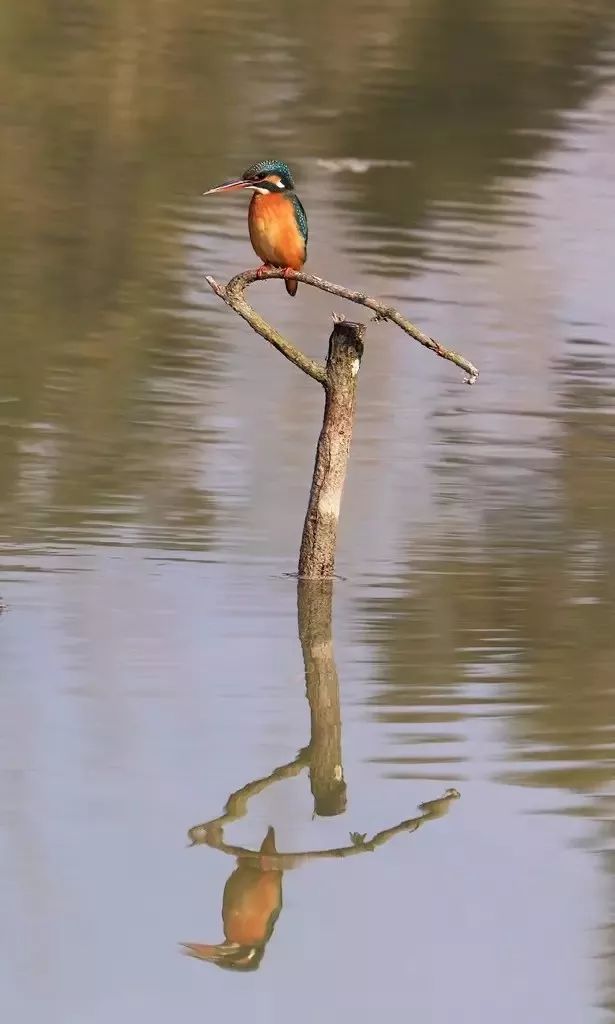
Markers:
<point>274,232</point>
<point>251,898</point>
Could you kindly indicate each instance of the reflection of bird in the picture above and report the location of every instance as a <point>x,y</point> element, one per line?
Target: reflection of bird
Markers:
<point>251,905</point>
<point>276,219</point>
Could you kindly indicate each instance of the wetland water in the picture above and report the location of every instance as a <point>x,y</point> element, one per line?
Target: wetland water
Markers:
<point>458,160</point>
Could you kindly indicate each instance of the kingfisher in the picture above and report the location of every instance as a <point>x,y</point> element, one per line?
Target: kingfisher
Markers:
<point>251,905</point>
<point>276,219</point>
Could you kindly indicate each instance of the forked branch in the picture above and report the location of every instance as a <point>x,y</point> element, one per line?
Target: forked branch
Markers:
<point>234,295</point>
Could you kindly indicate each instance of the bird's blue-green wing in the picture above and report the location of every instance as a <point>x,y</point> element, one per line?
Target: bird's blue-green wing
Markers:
<point>300,216</point>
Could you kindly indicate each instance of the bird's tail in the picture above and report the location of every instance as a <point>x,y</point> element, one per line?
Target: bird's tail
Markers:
<point>268,844</point>
<point>291,285</point>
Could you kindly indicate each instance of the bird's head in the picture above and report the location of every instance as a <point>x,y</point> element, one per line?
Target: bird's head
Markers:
<point>228,955</point>
<point>263,177</point>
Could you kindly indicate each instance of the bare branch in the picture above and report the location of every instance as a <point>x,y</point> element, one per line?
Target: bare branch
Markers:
<point>233,295</point>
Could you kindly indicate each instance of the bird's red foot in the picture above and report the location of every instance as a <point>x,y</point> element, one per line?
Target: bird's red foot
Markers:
<point>289,273</point>
<point>263,269</point>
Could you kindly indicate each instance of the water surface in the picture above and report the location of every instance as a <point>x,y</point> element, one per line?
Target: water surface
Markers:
<point>457,160</point>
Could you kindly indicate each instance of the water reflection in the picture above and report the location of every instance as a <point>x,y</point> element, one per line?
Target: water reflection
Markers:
<point>252,898</point>
<point>324,751</point>
<point>521,610</point>
<point>251,905</point>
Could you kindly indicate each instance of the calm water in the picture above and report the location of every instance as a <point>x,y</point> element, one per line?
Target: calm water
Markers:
<point>457,159</point>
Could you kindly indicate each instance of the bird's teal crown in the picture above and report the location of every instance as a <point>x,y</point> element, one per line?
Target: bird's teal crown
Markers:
<point>265,167</point>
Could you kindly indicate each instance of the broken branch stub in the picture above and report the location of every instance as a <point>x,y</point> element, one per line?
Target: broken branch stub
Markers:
<point>318,543</point>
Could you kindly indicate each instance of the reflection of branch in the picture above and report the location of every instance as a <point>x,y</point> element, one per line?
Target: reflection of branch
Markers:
<point>211,834</point>
<point>323,754</point>
<point>322,688</point>
<point>237,803</point>
<point>233,295</point>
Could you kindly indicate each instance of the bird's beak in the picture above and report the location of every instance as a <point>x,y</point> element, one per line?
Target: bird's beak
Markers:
<point>215,954</point>
<point>229,186</point>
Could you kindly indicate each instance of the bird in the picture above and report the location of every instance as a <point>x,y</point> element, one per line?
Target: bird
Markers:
<point>251,905</point>
<point>277,221</point>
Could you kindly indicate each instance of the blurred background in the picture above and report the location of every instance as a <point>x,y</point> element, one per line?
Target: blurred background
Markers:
<point>457,158</point>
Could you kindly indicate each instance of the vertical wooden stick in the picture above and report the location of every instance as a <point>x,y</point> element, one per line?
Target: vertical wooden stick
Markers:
<point>318,543</point>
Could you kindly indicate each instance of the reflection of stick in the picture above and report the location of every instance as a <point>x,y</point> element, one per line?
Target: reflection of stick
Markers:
<point>211,834</point>
<point>322,688</point>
